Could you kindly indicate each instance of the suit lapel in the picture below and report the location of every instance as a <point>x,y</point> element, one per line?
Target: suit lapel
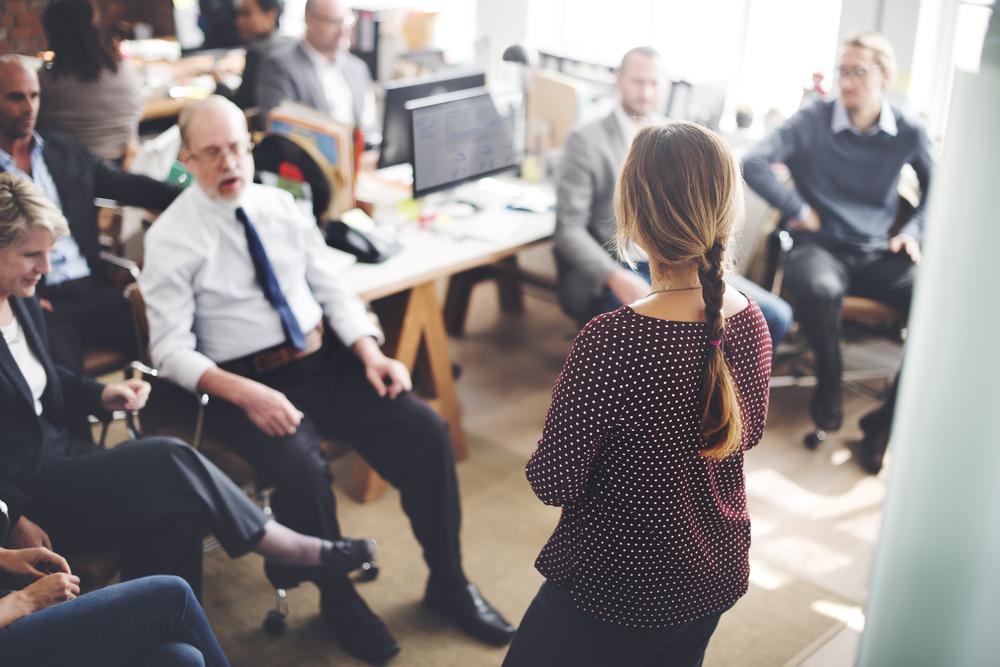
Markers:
<point>52,399</point>
<point>10,369</point>
<point>312,81</point>
<point>7,362</point>
<point>616,138</point>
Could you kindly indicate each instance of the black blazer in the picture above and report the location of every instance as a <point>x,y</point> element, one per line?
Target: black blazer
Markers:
<point>80,177</point>
<point>67,397</point>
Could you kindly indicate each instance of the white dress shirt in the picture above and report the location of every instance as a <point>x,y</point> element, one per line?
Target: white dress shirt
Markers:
<point>338,93</point>
<point>31,368</point>
<point>203,300</point>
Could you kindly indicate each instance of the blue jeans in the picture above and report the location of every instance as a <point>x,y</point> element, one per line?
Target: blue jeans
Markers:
<point>776,310</point>
<point>153,622</point>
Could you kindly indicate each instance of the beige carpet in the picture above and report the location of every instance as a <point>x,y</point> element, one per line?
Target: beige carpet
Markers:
<point>503,528</point>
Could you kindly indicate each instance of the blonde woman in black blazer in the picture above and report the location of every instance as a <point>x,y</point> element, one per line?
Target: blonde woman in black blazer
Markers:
<point>153,498</point>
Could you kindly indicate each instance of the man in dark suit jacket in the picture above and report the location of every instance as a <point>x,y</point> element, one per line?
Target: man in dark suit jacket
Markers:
<point>83,307</point>
<point>320,72</point>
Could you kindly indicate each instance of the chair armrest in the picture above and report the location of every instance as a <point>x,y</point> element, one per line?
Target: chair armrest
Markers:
<point>779,245</point>
<point>171,409</point>
<point>122,271</point>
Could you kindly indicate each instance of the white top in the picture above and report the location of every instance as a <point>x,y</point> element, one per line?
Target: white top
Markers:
<point>203,300</point>
<point>338,92</point>
<point>31,368</point>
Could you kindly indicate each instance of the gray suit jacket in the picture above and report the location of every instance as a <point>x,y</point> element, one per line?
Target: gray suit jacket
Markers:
<point>585,217</point>
<point>291,75</point>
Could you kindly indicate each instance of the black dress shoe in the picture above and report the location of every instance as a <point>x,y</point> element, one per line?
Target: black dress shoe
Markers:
<point>876,427</point>
<point>826,407</point>
<point>339,557</point>
<point>357,629</point>
<point>473,614</point>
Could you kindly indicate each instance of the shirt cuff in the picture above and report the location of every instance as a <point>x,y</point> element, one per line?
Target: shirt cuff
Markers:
<point>187,371</point>
<point>351,332</point>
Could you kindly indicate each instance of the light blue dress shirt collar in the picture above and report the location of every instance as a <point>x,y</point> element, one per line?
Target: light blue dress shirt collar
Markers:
<point>68,263</point>
<point>886,121</point>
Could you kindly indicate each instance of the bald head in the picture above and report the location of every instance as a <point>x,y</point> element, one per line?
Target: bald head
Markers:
<point>212,109</point>
<point>19,100</point>
<point>216,147</point>
<point>328,26</point>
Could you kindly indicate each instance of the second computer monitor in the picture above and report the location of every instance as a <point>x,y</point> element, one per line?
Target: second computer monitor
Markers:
<point>396,142</point>
<point>461,137</point>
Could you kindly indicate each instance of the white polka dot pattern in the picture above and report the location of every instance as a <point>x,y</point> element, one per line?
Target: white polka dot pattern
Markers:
<point>652,534</point>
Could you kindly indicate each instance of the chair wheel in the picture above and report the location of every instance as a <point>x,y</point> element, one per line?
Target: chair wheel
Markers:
<point>812,440</point>
<point>274,623</point>
<point>368,572</point>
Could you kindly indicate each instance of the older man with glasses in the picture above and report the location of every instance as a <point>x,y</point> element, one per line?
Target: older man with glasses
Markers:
<point>245,305</point>
<point>320,72</point>
<point>845,156</point>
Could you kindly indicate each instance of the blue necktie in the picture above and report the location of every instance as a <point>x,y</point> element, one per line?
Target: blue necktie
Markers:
<point>269,283</point>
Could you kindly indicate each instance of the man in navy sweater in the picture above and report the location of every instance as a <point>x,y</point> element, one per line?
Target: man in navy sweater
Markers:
<point>845,157</point>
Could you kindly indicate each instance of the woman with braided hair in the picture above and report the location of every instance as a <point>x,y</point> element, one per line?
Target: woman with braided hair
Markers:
<point>650,419</point>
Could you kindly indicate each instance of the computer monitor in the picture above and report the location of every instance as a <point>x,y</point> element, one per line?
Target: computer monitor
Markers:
<point>460,137</point>
<point>396,142</point>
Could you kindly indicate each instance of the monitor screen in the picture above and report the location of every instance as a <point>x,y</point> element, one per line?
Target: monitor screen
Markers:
<point>460,137</point>
<point>396,141</point>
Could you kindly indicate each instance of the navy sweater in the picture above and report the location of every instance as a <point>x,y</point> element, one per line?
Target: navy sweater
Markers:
<point>849,180</point>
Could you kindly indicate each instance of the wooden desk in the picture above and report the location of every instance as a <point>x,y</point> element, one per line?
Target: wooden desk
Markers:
<point>155,108</point>
<point>402,291</point>
<point>179,75</point>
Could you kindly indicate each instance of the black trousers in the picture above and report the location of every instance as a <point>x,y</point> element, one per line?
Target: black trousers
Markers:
<point>402,438</point>
<point>554,633</point>
<point>87,313</point>
<point>819,273</point>
<point>153,498</point>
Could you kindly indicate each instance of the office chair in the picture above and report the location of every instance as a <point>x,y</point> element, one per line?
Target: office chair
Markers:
<point>172,410</point>
<point>862,317</point>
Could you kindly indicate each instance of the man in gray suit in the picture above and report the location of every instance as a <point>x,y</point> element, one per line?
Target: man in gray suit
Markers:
<point>591,280</point>
<point>320,72</point>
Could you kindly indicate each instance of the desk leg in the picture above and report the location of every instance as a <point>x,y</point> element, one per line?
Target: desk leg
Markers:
<point>415,335</point>
<point>506,273</point>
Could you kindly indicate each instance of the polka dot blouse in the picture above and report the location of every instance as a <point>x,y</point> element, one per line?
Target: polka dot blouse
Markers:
<point>651,533</point>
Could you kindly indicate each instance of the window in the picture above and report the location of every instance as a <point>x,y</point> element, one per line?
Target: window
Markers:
<point>766,50</point>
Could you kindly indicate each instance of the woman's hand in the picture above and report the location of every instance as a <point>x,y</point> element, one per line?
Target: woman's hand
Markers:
<point>127,395</point>
<point>49,590</point>
<point>35,562</point>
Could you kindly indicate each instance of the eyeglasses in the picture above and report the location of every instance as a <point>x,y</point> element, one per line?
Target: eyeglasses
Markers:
<point>346,21</point>
<point>857,72</point>
<point>215,154</point>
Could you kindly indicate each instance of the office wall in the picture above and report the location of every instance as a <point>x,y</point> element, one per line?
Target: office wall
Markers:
<point>20,29</point>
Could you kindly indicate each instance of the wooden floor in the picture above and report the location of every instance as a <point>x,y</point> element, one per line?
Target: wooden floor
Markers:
<point>815,517</point>
<point>815,514</point>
